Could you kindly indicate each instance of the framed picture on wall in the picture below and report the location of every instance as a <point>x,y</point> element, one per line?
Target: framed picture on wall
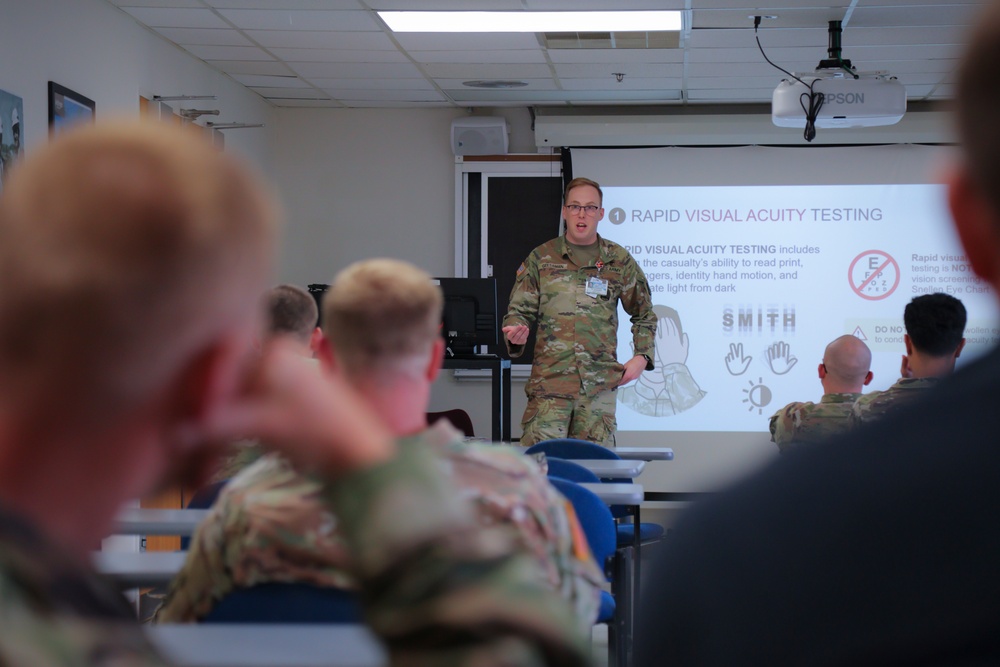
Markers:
<point>67,107</point>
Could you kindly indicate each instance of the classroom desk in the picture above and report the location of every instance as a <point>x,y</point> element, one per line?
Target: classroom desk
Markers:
<point>645,453</point>
<point>617,494</point>
<point>500,372</point>
<point>139,570</point>
<point>612,468</point>
<point>136,521</point>
<point>267,645</point>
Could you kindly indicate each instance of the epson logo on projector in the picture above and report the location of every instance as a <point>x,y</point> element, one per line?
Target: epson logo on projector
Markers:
<point>844,98</point>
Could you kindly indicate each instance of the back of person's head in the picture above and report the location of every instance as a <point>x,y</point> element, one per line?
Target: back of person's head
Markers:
<point>977,100</point>
<point>847,361</point>
<point>935,323</point>
<point>382,315</point>
<point>290,311</point>
<point>125,250</point>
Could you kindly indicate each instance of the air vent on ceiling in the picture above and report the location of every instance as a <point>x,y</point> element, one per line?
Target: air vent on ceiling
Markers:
<point>612,40</point>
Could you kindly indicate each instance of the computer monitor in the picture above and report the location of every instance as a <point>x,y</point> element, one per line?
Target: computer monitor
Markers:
<point>470,315</point>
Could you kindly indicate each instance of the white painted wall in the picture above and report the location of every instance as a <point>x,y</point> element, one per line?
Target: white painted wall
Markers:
<point>360,183</point>
<point>99,51</point>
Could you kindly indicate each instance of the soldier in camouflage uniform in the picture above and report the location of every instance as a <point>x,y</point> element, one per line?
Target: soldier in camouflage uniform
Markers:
<point>127,314</point>
<point>570,288</point>
<point>934,326</point>
<point>843,373</point>
<point>269,523</point>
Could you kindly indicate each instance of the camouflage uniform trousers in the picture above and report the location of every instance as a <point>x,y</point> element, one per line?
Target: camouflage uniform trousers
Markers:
<point>583,418</point>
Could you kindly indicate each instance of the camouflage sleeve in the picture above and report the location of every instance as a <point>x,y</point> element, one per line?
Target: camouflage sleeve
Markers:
<point>782,426</point>
<point>524,300</point>
<point>46,638</point>
<point>638,302</point>
<point>861,409</point>
<point>438,588</point>
<point>205,577</point>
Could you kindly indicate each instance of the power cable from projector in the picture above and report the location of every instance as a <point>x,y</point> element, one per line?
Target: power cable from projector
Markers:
<point>811,102</point>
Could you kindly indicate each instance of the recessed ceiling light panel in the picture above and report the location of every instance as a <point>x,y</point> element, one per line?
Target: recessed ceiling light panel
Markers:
<point>531,21</point>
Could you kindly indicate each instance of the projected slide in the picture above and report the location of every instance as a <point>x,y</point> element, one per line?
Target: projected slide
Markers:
<point>751,282</point>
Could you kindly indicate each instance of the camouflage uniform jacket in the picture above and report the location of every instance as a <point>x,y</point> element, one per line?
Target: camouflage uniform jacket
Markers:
<point>876,404</point>
<point>55,611</point>
<point>576,344</point>
<point>812,422</point>
<point>269,524</point>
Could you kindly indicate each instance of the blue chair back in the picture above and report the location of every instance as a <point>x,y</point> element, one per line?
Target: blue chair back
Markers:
<point>574,472</point>
<point>594,516</point>
<point>279,602</point>
<point>571,448</point>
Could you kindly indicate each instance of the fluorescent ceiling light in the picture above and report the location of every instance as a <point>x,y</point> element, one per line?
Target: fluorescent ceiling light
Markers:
<point>646,21</point>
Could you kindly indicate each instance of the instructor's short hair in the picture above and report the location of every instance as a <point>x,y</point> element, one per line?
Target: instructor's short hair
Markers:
<point>577,182</point>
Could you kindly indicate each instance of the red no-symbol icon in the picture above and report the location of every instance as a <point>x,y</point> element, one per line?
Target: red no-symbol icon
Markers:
<point>873,275</point>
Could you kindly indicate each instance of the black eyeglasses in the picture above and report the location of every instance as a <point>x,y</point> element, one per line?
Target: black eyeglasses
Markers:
<point>575,209</point>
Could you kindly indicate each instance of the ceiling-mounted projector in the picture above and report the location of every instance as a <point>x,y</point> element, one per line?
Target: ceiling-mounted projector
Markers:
<point>868,101</point>
<point>836,95</point>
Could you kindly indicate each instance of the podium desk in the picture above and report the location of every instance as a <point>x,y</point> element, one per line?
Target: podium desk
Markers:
<point>500,372</point>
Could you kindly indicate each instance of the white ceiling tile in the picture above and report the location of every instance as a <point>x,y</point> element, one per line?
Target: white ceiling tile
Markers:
<point>945,14</point>
<point>446,5</point>
<point>770,38</point>
<point>362,104</point>
<point>732,95</point>
<point>616,55</point>
<point>261,19</point>
<point>373,84</point>
<point>158,3</point>
<point>810,17</point>
<point>384,95</point>
<point>495,57</point>
<point>530,96</point>
<point>486,71</point>
<point>271,67</point>
<point>492,41</point>
<point>753,55</point>
<point>172,17</point>
<point>356,70</point>
<point>228,52</point>
<point>734,82</point>
<point>299,93</point>
<point>264,81</point>
<point>628,84</point>
<point>313,39</point>
<point>339,55</point>
<point>209,36</point>
<point>887,36</point>
<point>333,104</point>
<point>586,71</point>
<point>283,4</point>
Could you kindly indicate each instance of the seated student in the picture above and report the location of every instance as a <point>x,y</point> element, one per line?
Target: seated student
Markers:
<point>934,326</point>
<point>291,311</point>
<point>132,260</point>
<point>380,318</point>
<point>843,373</point>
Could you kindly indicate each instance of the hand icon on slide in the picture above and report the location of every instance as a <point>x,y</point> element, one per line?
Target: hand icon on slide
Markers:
<point>736,363</point>
<point>780,358</point>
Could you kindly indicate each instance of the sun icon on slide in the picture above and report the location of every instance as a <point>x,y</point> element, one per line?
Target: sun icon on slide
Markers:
<point>758,396</point>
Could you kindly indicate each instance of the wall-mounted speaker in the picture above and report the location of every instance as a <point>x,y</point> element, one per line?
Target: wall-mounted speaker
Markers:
<point>479,135</point>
